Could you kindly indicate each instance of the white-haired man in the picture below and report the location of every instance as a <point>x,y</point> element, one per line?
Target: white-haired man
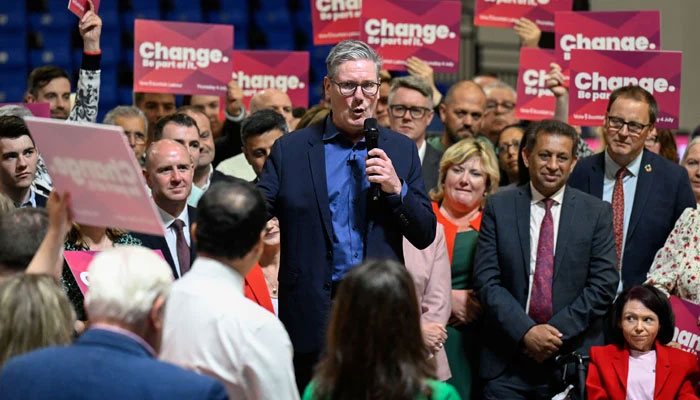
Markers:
<point>116,357</point>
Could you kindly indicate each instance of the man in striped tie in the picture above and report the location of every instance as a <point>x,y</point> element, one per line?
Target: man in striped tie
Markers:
<point>545,270</point>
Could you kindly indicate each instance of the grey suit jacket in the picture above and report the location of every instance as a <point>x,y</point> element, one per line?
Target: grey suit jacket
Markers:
<point>584,282</point>
<point>431,167</point>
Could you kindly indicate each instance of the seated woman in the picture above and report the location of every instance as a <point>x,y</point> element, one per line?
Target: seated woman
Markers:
<point>682,247</point>
<point>639,365</point>
<point>374,344</point>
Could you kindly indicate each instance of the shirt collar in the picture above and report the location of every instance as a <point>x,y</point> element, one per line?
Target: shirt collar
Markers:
<point>206,185</point>
<point>168,219</point>
<point>127,333</point>
<point>421,151</point>
<point>31,200</point>
<point>611,167</point>
<point>558,197</point>
<point>331,132</point>
<point>221,272</point>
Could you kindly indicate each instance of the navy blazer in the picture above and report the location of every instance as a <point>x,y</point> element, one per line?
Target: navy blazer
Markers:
<point>431,167</point>
<point>663,193</point>
<point>154,242</point>
<point>40,200</point>
<point>294,183</point>
<point>585,274</point>
<point>101,365</point>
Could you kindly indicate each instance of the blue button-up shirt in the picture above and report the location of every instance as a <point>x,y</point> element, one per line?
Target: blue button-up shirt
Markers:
<point>347,197</point>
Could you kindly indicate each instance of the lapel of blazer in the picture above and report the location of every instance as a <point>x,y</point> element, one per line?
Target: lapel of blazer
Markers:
<point>621,364</point>
<point>317,165</point>
<point>645,185</point>
<point>568,210</point>
<point>595,179</point>
<point>522,211</point>
<point>192,214</point>
<point>663,369</point>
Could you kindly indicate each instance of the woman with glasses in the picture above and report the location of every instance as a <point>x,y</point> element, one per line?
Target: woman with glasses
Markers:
<point>508,148</point>
<point>663,143</point>
<point>468,174</point>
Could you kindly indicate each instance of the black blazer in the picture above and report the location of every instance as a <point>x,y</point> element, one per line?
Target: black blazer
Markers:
<point>663,193</point>
<point>294,183</point>
<point>585,274</point>
<point>431,167</point>
<point>40,200</point>
<point>158,243</point>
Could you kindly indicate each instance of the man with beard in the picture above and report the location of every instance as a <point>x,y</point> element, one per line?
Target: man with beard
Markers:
<point>461,112</point>
<point>500,110</point>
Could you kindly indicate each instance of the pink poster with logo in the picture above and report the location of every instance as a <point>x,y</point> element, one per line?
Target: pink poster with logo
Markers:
<point>80,7</point>
<point>335,20</point>
<point>96,165</point>
<point>606,30</point>
<point>79,262</point>
<point>41,110</point>
<point>182,57</point>
<point>399,29</point>
<point>686,333</point>
<point>288,71</point>
<point>504,13</point>
<point>535,101</point>
<point>595,74</point>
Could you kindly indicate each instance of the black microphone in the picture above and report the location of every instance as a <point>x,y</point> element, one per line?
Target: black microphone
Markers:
<point>371,131</point>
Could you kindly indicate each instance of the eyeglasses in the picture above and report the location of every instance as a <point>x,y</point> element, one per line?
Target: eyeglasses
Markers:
<point>506,105</point>
<point>139,138</point>
<point>506,146</point>
<point>399,110</point>
<point>633,128</point>
<point>349,88</point>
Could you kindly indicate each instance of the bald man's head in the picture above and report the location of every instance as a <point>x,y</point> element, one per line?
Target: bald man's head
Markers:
<point>169,171</point>
<point>462,110</point>
<point>273,99</point>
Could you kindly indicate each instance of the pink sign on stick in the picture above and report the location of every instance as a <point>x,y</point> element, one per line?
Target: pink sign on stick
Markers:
<point>535,100</point>
<point>335,20</point>
<point>399,29</point>
<point>79,262</point>
<point>606,30</point>
<point>182,57</point>
<point>504,13</point>
<point>80,7</point>
<point>595,74</point>
<point>41,110</point>
<point>288,71</point>
<point>96,166</point>
<point>686,333</point>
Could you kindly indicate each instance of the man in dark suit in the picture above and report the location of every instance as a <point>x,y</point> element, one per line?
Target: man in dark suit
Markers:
<point>317,182</point>
<point>18,163</point>
<point>116,358</point>
<point>410,113</point>
<point>169,170</point>
<point>544,270</point>
<point>647,192</point>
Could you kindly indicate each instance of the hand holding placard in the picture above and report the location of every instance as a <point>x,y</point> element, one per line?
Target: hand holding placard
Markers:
<point>90,28</point>
<point>80,7</point>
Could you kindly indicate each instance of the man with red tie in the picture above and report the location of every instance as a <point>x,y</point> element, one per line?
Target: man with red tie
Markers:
<point>545,270</point>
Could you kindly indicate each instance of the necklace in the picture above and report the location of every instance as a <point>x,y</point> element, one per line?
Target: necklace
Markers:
<point>270,275</point>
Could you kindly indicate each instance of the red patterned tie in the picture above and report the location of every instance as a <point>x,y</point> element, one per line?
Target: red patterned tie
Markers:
<point>618,205</point>
<point>541,298</point>
<point>183,250</point>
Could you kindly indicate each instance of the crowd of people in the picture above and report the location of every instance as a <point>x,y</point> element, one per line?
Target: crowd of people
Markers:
<point>491,252</point>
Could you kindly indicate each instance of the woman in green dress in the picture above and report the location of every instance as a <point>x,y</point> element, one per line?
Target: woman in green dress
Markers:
<point>90,238</point>
<point>468,174</point>
<point>374,344</point>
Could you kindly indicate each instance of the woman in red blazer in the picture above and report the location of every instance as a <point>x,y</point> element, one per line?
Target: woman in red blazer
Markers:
<point>638,365</point>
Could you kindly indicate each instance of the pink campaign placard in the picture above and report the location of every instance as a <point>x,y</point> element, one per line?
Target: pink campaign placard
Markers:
<point>95,164</point>
<point>80,7</point>
<point>606,30</point>
<point>595,74</point>
<point>535,101</point>
<point>399,29</point>
<point>335,20</point>
<point>288,71</point>
<point>504,13</point>
<point>79,262</point>
<point>686,333</point>
<point>41,110</point>
<point>182,57</point>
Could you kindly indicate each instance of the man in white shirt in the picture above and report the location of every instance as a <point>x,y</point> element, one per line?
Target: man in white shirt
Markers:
<point>210,327</point>
<point>545,270</point>
<point>169,170</point>
<point>410,113</point>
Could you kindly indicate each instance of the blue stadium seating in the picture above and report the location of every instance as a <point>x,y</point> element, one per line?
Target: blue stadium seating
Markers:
<point>13,50</point>
<point>273,19</point>
<point>125,95</point>
<point>240,38</point>
<point>59,21</point>
<point>279,40</point>
<point>12,90</point>
<point>13,16</point>
<point>191,15</point>
<point>62,59</point>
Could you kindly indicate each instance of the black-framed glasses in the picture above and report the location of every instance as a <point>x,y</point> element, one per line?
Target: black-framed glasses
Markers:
<point>399,110</point>
<point>502,149</point>
<point>506,105</point>
<point>369,88</point>
<point>139,138</point>
<point>634,128</point>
